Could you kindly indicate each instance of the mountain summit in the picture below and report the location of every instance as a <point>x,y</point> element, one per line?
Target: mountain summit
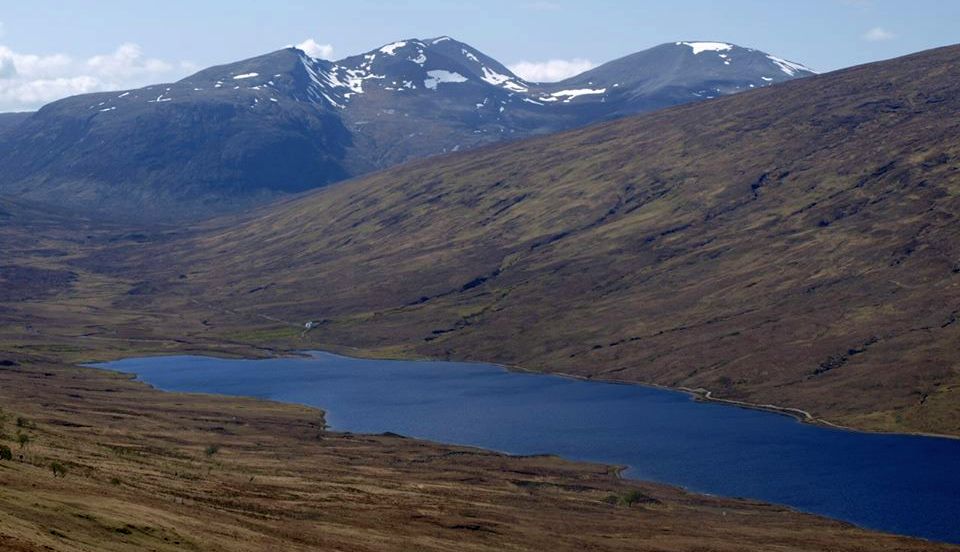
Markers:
<point>235,135</point>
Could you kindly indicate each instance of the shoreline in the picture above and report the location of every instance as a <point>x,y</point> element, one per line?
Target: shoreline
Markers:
<point>520,496</point>
<point>618,471</point>
<point>802,416</point>
<point>698,394</point>
<point>705,395</point>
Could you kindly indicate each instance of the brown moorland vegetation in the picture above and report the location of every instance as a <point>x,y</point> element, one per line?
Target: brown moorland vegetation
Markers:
<point>142,469</point>
<point>796,245</point>
<point>147,470</point>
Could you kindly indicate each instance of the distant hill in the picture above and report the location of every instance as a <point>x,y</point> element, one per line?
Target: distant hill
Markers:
<point>796,245</point>
<point>10,120</point>
<point>240,134</point>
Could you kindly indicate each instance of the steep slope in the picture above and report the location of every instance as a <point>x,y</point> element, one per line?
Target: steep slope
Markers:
<point>240,134</point>
<point>11,120</point>
<point>796,246</point>
<point>217,140</point>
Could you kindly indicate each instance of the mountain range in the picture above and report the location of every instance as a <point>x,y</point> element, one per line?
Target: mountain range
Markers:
<point>795,245</point>
<point>237,135</point>
<point>668,218</point>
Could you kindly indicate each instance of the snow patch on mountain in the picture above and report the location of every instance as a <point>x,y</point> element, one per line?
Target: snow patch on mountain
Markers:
<point>789,67</point>
<point>501,80</point>
<point>337,84</point>
<point>320,83</point>
<point>567,95</point>
<point>440,76</point>
<point>353,78</point>
<point>699,47</point>
<point>391,49</point>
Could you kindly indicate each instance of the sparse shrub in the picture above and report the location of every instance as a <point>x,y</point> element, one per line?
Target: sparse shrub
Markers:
<point>23,439</point>
<point>118,450</point>
<point>58,469</point>
<point>5,453</point>
<point>211,450</point>
<point>115,481</point>
<point>23,422</point>
<point>629,498</point>
<point>632,497</point>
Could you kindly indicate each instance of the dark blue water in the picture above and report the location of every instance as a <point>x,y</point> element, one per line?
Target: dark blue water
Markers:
<point>895,483</point>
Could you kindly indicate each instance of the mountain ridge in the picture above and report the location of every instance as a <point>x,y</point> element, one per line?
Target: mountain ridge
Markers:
<point>236,135</point>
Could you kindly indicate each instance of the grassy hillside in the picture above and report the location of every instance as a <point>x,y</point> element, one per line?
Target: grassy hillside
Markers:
<point>796,245</point>
<point>143,469</point>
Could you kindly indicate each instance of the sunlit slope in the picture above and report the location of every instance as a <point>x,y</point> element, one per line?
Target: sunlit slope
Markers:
<point>795,245</point>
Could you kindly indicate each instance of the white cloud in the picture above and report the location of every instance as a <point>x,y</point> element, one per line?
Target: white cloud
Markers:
<point>314,49</point>
<point>7,69</point>
<point>35,66</point>
<point>24,94</point>
<point>28,81</point>
<point>126,62</point>
<point>878,34</point>
<point>552,70</point>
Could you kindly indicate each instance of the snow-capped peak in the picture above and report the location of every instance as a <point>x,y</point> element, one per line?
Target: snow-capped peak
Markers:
<point>447,67</point>
<point>699,47</point>
<point>391,49</point>
<point>723,49</point>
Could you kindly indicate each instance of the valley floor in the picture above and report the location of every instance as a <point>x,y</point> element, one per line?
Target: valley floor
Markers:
<point>161,471</point>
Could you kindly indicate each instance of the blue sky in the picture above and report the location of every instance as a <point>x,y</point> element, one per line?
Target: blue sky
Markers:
<point>49,49</point>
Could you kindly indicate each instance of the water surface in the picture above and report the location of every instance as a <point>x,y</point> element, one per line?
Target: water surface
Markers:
<point>896,483</point>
